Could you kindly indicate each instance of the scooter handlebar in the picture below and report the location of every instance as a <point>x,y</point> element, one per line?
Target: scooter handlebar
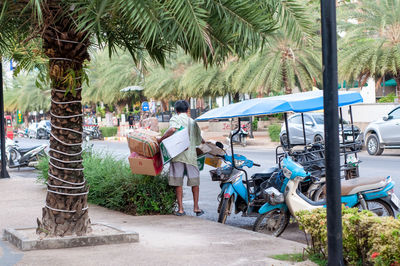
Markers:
<point>256,164</point>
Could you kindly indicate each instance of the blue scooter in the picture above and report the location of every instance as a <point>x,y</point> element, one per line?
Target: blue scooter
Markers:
<point>236,189</point>
<point>285,199</point>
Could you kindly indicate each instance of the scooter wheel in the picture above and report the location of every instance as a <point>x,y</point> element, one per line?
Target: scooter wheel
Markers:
<point>378,207</point>
<point>225,209</point>
<point>272,223</point>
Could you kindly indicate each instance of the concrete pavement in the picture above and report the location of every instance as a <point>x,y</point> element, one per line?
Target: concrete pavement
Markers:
<point>164,240</point>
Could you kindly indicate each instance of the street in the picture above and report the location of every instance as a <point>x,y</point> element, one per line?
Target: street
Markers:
<point>384,165</point>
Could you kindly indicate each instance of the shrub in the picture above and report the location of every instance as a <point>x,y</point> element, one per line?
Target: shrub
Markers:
<point>112,185</point>
<point>255,124</point>
<point>367,239</point>
<point>274,131</point>
<point>388,98</point>
<point>109,131</point>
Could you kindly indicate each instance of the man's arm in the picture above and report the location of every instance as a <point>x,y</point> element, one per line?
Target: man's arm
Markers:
<point>167,134</point>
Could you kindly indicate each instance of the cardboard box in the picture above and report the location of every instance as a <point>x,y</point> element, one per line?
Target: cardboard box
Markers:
<point>145,166</point>
<point>174,145</point>
<point>213,161</point>
<point>211,148</point>
<point>143,144</point>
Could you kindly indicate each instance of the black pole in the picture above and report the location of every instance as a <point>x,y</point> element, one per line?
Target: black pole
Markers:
<point>304,129</point>
<point>287,130</point>
<point>330,81</point>
<point>4,173</point>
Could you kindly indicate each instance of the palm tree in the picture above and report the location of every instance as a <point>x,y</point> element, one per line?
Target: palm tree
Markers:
<point>65,29</point>
<point>26,96</point>
<point>283,63</point>
<point>108,76</point>
<point>371,46</point>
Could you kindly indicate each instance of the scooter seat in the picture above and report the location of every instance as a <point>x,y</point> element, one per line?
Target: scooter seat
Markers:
<point>353,186</point>
<point>25,150</point>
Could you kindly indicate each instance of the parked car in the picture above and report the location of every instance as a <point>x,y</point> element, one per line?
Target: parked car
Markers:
<point>314,129</point>
<point>383,133</point>
<point>43,130</point>
<point>32,130</point>
<point>40,130</point>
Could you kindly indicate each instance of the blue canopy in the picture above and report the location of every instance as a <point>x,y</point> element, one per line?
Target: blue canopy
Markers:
<point>297,102</point>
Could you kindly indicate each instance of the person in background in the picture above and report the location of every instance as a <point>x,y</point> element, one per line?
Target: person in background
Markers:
<point>131,119</point>
<point>186,162</point>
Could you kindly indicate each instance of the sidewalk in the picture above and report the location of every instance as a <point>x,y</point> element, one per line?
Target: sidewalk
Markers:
<point>164,240</point>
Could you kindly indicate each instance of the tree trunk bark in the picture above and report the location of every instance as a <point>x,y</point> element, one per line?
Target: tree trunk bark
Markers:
<point>398,87</point>
<point>66,209</point>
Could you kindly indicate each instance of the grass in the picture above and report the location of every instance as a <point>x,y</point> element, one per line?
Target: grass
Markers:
<point>295,257</point>
<point>274,131</point>
<point>299,257</point>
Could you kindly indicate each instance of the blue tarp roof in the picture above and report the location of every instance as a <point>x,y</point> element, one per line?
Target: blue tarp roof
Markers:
<point>297,102</point>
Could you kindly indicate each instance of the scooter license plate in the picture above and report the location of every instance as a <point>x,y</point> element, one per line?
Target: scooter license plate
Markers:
<point>395,200</point>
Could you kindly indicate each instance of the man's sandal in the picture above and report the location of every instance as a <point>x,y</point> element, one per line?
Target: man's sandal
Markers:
<point>199,213</point>
<point>180,213</point>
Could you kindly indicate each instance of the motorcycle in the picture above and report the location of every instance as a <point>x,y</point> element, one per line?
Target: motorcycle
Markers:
<point>241,137</point>
<point>92,132</point>
<point>23,133</point>
<point>285,199</point>
<point>23,157</point>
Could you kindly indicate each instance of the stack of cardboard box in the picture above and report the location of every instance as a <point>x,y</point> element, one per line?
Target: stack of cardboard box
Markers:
<point>145,158</point>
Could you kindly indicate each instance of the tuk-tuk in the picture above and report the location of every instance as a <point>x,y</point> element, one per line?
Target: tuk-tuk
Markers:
<point>309,156</point>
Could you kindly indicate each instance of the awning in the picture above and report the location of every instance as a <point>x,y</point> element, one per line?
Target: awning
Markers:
<point>390,82</point>
<point>297,102</point>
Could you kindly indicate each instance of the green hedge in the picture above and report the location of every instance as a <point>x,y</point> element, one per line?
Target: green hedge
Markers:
<point>274,131</point>
<point>367,238</point>
<point>388,98</point>
<point>109,131</point>
<point>113,186</point>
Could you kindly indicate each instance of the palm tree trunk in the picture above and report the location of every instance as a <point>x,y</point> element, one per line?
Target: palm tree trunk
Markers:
<point>398,87</point>
<point>65,212</point>
<point>285,80</point>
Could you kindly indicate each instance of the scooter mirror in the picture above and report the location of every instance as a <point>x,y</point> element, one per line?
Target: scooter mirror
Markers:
<point>219,145</point>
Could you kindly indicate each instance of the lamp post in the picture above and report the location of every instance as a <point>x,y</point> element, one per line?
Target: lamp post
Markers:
<point>330,80</point>
<point>4,173</point>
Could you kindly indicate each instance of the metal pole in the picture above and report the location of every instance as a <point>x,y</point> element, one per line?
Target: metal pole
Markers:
<point>330,81</point>
<point>4,173</point>
<point>287,130</point>
<point>304,130</point>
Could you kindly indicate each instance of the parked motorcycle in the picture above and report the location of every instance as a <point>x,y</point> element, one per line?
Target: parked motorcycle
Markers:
<point>92,132</point>
<point>23,133</point>
<point>285,199</point>
<point>23,157</point>
<point>241,137</point>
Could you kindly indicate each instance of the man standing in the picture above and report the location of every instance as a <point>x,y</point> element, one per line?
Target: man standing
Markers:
<point>130,120</point>
<point>186,162</point>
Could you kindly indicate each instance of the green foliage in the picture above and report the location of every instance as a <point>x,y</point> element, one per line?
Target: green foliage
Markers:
<point>366,238</point>
<point>274,131</point>
<point>109,131</point>
<point>163,130</point>
<point>371,46</point>
<point>388,98</point>
<point>296,257</point>
<point>26,96</point>
<point>101,111</point>
<point>254,124</point>
<point>112,185</point>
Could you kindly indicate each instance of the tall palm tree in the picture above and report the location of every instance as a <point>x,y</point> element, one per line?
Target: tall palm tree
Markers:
<point>26,96</point>
<point>282,64</point>
<point>371,46</point>
<point>65,29</point>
